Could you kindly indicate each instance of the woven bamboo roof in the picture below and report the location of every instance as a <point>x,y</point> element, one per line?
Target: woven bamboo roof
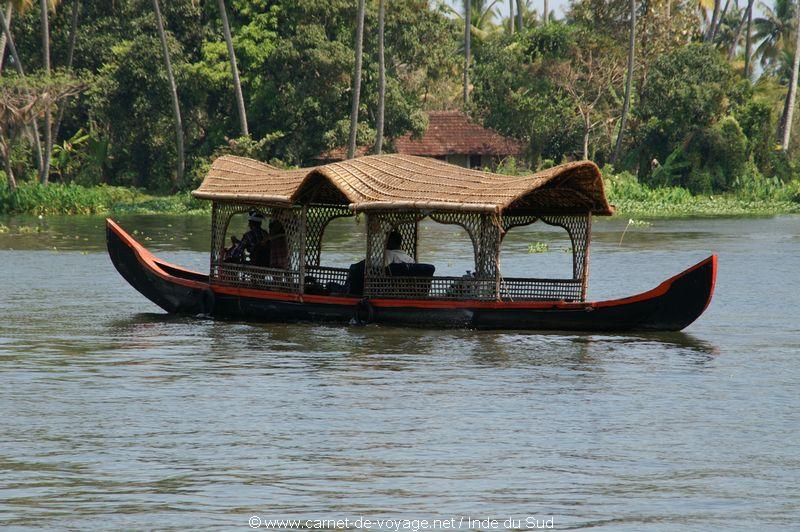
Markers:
<point>406,182</point>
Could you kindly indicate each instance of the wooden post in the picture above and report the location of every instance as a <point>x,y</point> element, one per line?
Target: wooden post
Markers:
<point>372,220</point>
<point>215,242</point>
<point>416,239</point>
<point>588,239</point>
<point>498,239</point>
<point>302,265</point>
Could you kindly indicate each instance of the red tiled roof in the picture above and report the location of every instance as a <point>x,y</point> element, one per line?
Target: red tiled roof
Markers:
<point>451,133</point>
<point>448,133</point>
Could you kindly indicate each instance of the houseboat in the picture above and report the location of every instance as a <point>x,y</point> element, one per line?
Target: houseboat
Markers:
<point>277,275</point>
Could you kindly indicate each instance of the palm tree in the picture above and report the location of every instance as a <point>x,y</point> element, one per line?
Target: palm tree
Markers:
<point>626,105</point>
<point>790,96</point>
<point>520,25</point>
<point>21,6</point>
<point>381,78</point>
<point>748,46</point>
<point>37,144</point>
<point>712,27</point>
<point>773,31</point>
<point>739,22</point>
<point>44,171</point>
<point>73,35</point>
<point>511,16</point>
<point>483,14</point>
<point>545,14</point>
<point>3,39</point>
<point>176,106</point>
<point>237,84</point>
<point>351,145</point>
<point>467,39</point>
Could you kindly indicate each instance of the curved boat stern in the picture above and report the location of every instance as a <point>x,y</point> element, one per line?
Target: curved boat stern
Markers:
<point>172,288</point>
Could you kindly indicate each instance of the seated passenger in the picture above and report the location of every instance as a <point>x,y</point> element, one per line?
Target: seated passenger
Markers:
<point>278,248</point>
<point>251,241</point>
<point>394,253</point>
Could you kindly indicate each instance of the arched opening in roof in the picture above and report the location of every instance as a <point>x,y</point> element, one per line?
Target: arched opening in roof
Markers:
<point>317,189</point>
<point>574,189</point>
<point>342,242</point>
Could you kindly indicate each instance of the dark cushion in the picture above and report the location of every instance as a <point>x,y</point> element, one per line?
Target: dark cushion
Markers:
<point>355,279</point>
<point>401,269</point>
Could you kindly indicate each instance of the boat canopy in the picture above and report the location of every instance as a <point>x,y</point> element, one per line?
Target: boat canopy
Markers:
<point>409,183</point>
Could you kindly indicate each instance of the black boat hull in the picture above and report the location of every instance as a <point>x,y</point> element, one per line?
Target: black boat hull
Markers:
<point>671,306</point>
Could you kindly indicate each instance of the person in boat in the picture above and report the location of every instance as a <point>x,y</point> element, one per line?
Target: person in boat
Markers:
<point>394,253</point>
<point>254,243</point>
<point>278,248</point>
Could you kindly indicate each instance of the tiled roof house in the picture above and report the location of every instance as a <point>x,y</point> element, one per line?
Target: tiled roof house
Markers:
<point>451,136</point>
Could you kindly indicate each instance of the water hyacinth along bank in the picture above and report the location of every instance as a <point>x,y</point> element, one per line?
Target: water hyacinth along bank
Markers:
<point>630,197</point>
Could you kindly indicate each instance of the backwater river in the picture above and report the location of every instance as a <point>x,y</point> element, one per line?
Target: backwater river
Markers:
<point>115,415</point>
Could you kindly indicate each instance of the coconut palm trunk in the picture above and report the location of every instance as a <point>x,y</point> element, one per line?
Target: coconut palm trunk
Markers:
<point>511,16</point>
<point>735,41</point>
<point>176,105</point>
<point>73,35</point>
<point>790,96</point>
<point>237,84</point>
<point>381,77</point>
<point>520,27</point>
<point>626,105</point>
<point>748,46</point>
<point>351,144</point>
<point>467,43</point>
<point>37,144</point>
<point>713,26</point>
<point>3,38</point>
<point>5,148</point>
<point>546,14</point>
<point>44,172</point>
<point>721,19</point>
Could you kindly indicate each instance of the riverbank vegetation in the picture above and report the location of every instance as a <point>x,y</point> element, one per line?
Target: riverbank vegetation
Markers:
<point>630,198</point>
<point>124,106</point>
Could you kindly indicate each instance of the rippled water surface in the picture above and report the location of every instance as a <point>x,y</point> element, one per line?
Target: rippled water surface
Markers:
<point>114,415</point>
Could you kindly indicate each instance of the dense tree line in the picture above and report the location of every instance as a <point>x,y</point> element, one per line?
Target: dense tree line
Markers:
<point>148,92</point>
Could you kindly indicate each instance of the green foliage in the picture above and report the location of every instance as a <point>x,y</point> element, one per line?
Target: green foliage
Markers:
<point>683,111</point>
<point>631,198</point>
<point>514,94</point>
<point>696,125</point>
<point>57,198</point>
<point>538,247</point>
<point>550,41</point>
<point>296,61</point>
<point>686,89</point>
<point>758,125</point>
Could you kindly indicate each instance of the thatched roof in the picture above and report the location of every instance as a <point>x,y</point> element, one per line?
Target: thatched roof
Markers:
<point>405,182</point>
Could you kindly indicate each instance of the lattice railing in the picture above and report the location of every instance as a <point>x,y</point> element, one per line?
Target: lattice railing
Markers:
<point>389,287</point>
<point>455,288</point>
<point>321,279</point>
<point>245,276</point>
<point>541,290</point>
